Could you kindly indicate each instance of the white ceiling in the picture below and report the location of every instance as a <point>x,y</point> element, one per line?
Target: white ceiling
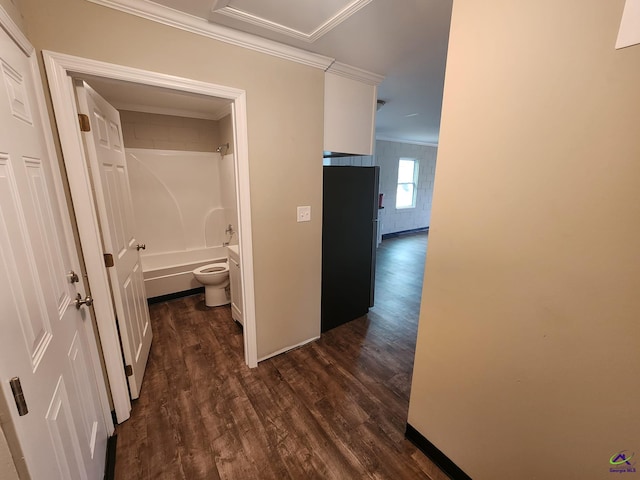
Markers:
<point>403,40</point>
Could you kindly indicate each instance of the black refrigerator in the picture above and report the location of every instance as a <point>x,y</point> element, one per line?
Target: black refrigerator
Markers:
<point>349,240</point>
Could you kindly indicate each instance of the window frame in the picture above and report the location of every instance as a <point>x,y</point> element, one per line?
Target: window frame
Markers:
<point>414,183</point>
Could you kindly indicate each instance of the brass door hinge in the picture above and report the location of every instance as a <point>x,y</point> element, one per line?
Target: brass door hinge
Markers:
<point>108,260</point>
<point>85,125</point>
<point>128,370</point>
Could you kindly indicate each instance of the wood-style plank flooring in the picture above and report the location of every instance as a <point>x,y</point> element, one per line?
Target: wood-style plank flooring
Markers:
<point>333,409</point>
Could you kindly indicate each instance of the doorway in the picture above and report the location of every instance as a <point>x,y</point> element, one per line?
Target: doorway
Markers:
<point>61,70</point>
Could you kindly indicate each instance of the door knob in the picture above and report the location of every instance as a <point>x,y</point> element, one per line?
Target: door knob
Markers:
<point>141,246</point>
<point>88,301</point>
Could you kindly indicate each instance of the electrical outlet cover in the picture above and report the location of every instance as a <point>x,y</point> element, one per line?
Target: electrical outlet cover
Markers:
<point>304,214</point>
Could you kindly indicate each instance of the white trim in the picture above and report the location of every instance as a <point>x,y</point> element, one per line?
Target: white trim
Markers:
<point>408,142</point>
<point>354,73</point>
<point>310,37</point>
<point>191,23</point>
<point>287,349</point>
<point>60,68</point>
<point>337,19</point>
<point>245,236</point>
<point>13,30</point>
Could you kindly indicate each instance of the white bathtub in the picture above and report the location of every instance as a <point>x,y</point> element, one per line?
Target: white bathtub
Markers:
<point>167,273</point>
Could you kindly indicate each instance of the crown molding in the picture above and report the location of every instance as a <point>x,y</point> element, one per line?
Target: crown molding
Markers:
<point>354,73</point>
<point>318,32</point>
<point>190,23</point>
<point>13,30</point>
<point>337,19</point>
<point>407,142</point>
<point>264,23</point>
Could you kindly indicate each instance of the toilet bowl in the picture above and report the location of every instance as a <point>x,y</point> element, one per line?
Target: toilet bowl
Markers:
<point>215,278</point>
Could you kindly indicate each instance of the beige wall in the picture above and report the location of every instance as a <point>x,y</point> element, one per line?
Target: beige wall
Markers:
<point>285,121</point>
<point>12,7</point>
<point>527,356</point>
<point>168,132</point>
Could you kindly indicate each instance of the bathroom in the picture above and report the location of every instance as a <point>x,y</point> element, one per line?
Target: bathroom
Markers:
<point>183,188</point>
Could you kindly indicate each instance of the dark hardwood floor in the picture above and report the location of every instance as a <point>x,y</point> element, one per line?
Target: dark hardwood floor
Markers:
<point>333,409</point>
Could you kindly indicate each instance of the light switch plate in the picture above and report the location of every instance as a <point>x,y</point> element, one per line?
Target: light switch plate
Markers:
<point>304,214</point>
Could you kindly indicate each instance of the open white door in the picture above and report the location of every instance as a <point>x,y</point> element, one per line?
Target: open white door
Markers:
<point>45,341</point>
<point>105,154</point>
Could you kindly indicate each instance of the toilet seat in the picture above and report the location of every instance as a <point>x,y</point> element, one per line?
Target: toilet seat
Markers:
<point>212,268</point>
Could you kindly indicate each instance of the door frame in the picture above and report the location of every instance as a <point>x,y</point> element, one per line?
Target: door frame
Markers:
<point>60,70</point>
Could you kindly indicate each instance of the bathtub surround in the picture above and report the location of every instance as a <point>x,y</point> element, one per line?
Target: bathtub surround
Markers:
<point>177,175</point>
<point>193,193</point>
<point>186,191</point>
<point>228,198</point>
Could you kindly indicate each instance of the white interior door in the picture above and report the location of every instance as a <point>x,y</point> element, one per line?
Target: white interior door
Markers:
<point>107,163</point>
<point>44,340</point>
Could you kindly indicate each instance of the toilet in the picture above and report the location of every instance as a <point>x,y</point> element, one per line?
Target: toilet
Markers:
<point>215,278</point>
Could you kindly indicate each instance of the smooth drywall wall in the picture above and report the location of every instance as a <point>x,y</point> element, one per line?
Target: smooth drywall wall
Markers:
<point>528,350</point>
<point>285,123</point>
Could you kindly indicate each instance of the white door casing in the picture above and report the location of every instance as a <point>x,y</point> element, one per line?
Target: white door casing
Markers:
<point>60,70</point>
<point>108,166</point>
<point>45,340</point>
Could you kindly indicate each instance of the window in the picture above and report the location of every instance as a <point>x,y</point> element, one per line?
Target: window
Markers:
<point>407,183</point>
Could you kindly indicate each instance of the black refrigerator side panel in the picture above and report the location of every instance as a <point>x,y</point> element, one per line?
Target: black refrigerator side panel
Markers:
<point>348,243</point>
